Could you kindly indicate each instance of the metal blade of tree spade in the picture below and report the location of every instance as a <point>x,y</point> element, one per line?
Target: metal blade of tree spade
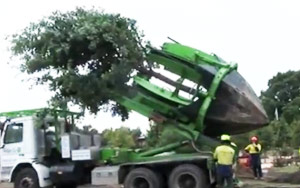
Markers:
<point>236,108</point>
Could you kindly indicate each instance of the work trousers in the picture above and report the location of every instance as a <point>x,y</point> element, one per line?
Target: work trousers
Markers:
<point>224,176</point>
<point>256,165</point>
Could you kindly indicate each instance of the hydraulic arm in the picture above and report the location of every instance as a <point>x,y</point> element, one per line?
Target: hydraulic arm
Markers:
<point>221,100</point>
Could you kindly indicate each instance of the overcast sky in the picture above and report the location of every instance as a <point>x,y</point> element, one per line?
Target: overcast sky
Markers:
<point>262,36</point>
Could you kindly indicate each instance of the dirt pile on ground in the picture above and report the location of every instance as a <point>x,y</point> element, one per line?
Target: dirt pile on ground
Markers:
<point>293,178</point>
<point>243,172</point>
<point>273,175</point>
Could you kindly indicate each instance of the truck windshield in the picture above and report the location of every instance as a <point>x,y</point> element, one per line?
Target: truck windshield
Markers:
<point>14,133</point>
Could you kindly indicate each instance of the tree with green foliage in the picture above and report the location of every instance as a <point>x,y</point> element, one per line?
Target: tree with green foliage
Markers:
<point>85,56</point>
<point>152,137</point>
<point>153,134</point>
<point>136,134</point>
<point>291,111</point>
<point>295,142</point>
<point>122,137</point>
<point>282,90</point>
<point>265,136</point>
<point>282,133</point>
<point>283,97</point>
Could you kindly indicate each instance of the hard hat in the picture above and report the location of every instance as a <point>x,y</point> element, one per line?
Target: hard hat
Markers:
<point>254,138</point>
<point>225,137</point>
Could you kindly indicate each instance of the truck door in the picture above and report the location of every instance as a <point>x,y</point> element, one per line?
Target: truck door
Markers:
<point>11,148</point>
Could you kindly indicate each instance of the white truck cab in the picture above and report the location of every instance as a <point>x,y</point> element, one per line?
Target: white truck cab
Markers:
<point>22,150</point>
<point>32,144</point>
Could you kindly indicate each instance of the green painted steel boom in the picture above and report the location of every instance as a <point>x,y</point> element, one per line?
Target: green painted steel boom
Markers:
<point>216,80</point>
<point>221,102</point>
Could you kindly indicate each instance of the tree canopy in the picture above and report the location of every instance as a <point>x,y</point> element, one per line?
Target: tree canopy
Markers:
<point>85,56</point>
<point>282,90</point>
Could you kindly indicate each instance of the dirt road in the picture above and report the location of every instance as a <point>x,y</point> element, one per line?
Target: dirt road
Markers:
<point>248,183</point>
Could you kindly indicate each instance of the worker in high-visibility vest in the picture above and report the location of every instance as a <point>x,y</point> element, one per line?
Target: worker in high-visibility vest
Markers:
<point>254,149</point>
<point>224,155</point>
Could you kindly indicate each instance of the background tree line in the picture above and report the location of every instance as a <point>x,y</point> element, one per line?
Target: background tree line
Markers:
<point>122,137</point>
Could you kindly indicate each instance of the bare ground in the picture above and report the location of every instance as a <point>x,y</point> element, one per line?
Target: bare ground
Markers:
<point>273,179</point>
<point>249,183</point>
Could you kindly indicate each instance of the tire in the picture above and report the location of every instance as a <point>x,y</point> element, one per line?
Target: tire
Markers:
<point>187,176</point>
<point>142,178</point>
<point>26,178</point>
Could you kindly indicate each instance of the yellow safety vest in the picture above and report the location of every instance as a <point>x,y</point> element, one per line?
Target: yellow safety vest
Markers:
<point>252,150</point>
<point>224,155</point>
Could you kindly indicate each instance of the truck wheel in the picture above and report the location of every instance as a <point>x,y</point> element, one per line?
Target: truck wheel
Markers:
<point>142,178</point>
<point>187,176</point>
<point>26,178</point>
